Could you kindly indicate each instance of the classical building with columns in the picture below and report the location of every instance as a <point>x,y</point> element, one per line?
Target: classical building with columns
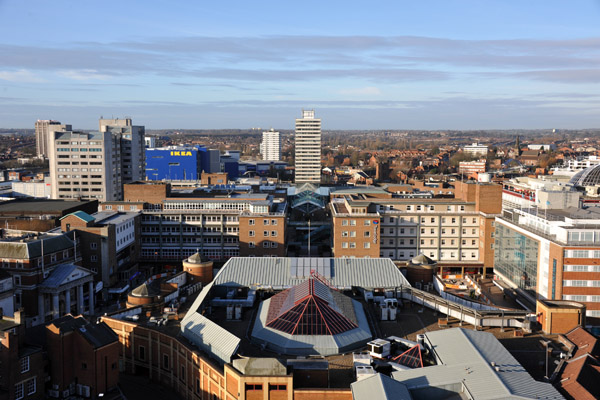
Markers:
<point>69,289</point>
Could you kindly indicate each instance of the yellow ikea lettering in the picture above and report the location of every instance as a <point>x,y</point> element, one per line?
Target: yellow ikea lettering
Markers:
<point>181,153</point>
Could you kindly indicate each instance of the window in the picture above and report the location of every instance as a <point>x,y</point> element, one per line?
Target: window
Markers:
<point>432,220</point>
<point>344,245</point>
<point>83,366</point>
<point>53,257</point>
<point>251,233</point>
<point>344,222</point>
<point>31,386</point>
<point>142,353</point>
<point>17,280</point>
<point>367,222</point>
<point>250,222</point>
<point>367,234</point>
<point>182,376</point>
<point>352,245</point>
<point>93,246</point>
<point>266,233</point>
<point>19,393</point>
<point>94,258</point>
<point>251,245</point>
<point>255,386</point>
<point>352,233</point>
<point>345,234</point>
<point>367,245</point>
<point>197,385</point>
<point>165,362</point>
<point>277,387</point>
<point>24,364</point>
<point>273,222</point>
<point>266,244</point>
<point>353,222</point>
<point>274,233</point>
<point>265,222</point>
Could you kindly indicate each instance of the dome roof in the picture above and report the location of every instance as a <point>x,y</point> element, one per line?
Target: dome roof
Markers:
<point>422,259</point>
<point>197,259</point>
<point>146,290</point>
<point>587,177</point>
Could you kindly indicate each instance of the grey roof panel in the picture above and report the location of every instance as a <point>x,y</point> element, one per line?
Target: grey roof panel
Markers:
<point>287,272</point>
<point>466,356</point>
<point>380,387</point>
<point>206,334</point>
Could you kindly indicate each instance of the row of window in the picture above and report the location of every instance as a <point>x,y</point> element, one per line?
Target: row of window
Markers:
<point>265,233</point>
<point>582,253</point>
<point>581,283</point>
<point>265,222</point>
<point>582,268</point>
<point>416,208</point>
<point>266,245</point>
<point>587,299</point>
<point>352,245</point>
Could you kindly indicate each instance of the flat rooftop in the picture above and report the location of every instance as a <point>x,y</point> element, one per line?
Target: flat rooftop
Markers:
<point>40,206</point>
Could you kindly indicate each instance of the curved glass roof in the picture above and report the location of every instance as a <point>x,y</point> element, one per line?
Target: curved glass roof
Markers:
<point>587,177</point>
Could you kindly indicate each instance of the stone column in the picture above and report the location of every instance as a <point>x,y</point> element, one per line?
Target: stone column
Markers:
<point>55,306</point>
<point>80,299</point>
<point>92,294</point>
<point>41,310</point>
<point>68,301</point>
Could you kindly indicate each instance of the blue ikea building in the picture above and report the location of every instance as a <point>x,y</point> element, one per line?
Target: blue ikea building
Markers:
<point>177,163</point>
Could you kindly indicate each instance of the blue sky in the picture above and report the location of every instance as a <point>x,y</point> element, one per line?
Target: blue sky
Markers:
<point>240,64</point>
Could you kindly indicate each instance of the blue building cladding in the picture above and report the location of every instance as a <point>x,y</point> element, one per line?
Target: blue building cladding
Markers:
<point>174,163</point>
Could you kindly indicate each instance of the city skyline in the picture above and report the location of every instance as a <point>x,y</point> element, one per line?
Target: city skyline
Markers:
<point>432,65</point>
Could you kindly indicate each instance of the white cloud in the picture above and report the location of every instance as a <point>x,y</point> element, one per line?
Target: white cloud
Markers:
<point>83,74</point>
<point>364,91</point>
<point>21,75</point>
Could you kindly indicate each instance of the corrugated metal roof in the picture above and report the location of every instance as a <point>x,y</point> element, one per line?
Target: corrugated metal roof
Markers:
<point>206,334</point>
<point>281,273</point>
<point>466,356</point>
<point>380,387</point>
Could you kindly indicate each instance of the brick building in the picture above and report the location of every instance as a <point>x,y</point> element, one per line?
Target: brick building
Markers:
<point>218,224</point>
<point>30,258</point>
<point>109,243</point>
<point>456,232</point>
<point>84,357</point>
<point>22,366</point>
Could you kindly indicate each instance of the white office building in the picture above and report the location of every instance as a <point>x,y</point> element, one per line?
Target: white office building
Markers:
<point>95,165</point>
<point>308,148</point>
<point>43,129</point>
<point>476,150</point>
<point>270,147</point>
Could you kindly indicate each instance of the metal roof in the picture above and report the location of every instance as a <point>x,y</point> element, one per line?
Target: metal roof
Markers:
<point>82,215</point>
<point>465,357</point>
<point>283,273</point>
<point>206,334</point>
<point>61,273</point>
<point>380,387</point>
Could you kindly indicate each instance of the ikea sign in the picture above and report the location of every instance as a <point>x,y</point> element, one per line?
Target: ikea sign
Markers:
<point>181,153</point>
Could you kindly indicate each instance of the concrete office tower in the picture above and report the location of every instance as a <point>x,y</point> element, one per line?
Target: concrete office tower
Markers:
<point>308,148</point>
<point>270,147</point>
<point>132,147</point>
<point>85,165</point>
<point>43,127</point>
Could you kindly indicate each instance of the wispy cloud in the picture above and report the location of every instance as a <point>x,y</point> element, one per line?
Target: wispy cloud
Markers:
<point>364,91</point>
<point>297,58</point>
<point>21,75</point>
<point>83,75</point>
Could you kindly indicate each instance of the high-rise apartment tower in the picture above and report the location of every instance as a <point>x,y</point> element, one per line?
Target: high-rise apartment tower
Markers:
<point>308,148</point>
<point>270,147</point>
